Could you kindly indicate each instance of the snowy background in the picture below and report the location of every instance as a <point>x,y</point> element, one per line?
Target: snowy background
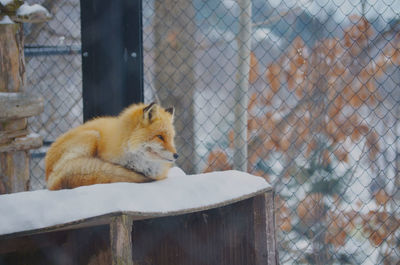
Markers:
<point>57,77</point>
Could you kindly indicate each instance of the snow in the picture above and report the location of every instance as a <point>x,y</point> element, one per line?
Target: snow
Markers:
<point>179,193</point>
<point>33,135</point>
<point>5,2</point>
<point>26,10</point>
<point>6,20</point>
<point>265,34</point>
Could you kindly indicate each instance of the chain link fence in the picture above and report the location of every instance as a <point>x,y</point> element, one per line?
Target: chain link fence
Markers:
<point>322,106</point>
<point>53,70</point>
<point>323,112</point>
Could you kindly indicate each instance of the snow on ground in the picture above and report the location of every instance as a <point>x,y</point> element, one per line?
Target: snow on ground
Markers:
<point>33,210</point>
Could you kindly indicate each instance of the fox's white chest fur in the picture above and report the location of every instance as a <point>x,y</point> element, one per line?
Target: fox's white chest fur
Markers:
<point>139,162</point>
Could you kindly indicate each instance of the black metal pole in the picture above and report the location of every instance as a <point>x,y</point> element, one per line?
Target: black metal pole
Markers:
<point>112,58</point>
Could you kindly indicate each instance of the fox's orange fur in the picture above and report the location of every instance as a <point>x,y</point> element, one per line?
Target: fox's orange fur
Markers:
<point>136,146</point>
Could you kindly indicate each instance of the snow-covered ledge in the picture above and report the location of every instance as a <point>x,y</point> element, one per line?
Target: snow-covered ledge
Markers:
<point>29,212</point>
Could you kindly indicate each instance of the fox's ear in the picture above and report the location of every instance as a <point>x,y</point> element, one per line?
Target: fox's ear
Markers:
<point>150,112</point>
<point>170,110</point>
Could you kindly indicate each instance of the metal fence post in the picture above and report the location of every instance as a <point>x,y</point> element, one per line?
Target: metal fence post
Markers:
<point>242,79</point>
<point>111,56</point>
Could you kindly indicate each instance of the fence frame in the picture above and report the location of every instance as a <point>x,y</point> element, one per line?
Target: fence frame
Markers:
<point>112,56</point>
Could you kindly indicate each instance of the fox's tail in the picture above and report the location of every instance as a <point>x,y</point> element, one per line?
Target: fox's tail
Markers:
<point>87,171</point>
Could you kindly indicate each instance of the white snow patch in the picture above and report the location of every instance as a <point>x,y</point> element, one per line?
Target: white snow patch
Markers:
<point>5,2</point>
<point>229,4</point>
<point>33,135</point>
<point>6,20</point>
<point>265,34</point>
<point>26,10</point>
<point>26,211</point>
<point>176,172</point>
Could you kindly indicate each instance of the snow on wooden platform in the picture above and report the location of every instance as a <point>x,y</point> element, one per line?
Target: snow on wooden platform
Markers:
<point>178,194</point>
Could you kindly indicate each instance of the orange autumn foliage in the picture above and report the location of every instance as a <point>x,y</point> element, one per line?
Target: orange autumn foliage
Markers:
<point>336,231</point>
<point>273,77</point>
<point>381,197</point>
<point>310,209</point>
<point>327,85</point>
<point>253,74</point>
<point>380,225</point>
<point>283,214</point>
<point>218,161</point>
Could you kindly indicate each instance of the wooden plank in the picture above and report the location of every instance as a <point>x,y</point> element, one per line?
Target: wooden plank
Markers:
<point>14,171</point>
<point>222,236</point>
<point>88,246</point>
<point>14,125</point>
<point>273,257</point>
<point>264,229</point>
<point>91,246</point>
<point>121,240</point>
<point>7,136</point>
<point>260,229</point>
<point>13,128</point>
<point>30,243</point>
<point>28,142</point>
<point>19,105</point>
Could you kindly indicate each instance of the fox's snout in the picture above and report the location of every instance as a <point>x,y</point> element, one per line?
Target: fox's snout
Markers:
<point>156,151</point>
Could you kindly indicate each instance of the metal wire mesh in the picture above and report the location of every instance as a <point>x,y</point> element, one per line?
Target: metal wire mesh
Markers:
<point>53,70</point>
<point>323,109</point>
<point>323,113</point>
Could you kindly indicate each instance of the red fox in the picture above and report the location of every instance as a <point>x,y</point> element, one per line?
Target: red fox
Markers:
<point>136,146</point>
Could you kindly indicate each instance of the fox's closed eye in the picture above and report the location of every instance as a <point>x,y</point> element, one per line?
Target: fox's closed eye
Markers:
<point>160,137</point>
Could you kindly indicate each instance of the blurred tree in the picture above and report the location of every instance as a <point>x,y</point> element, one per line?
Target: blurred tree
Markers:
<point>305,126</point>
<point>174,58</point>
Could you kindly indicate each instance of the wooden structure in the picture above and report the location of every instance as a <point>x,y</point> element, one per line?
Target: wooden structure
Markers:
<point>15,139</point>
<point>15,104</point>
<point>235,230</point>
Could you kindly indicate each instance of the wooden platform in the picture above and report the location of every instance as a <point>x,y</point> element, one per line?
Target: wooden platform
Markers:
<point>237,229</point>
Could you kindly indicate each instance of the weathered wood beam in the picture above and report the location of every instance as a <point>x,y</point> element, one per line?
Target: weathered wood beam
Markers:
<point>8,136</point>
<point>13,125</point>
<point>19,105</point>
<point>14,171</point>
<point>264,229</point>
<point>12,129</point>
<point>12,61</point>
<point>121,240</point>
<point>30,141</point>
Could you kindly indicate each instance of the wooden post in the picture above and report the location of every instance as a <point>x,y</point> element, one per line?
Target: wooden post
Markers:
<point>264,229</point>
<point>15,104</point>
<point>12,62</point>
<point>15,139</point>
<point>121,240</point>
<point>14,165</point>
